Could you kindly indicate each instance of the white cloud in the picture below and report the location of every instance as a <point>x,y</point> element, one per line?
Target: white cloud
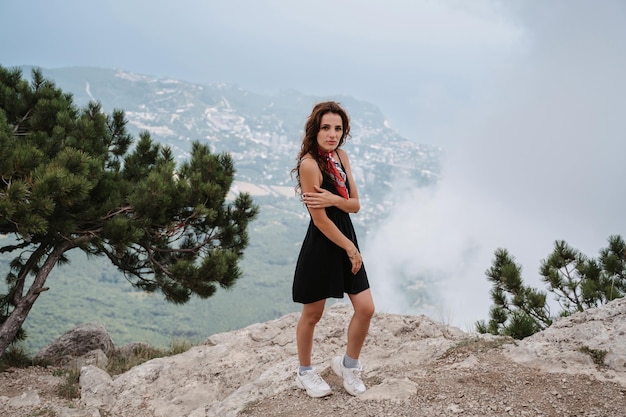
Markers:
<point>537,158</point>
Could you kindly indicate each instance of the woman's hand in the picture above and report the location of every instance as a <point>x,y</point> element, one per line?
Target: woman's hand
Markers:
<point>321,198</point>
<point>356,259</point>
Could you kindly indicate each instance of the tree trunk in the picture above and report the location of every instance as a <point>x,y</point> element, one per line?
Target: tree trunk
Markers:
<point>16,318</point>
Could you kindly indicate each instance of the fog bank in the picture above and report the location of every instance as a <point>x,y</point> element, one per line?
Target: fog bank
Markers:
<point>537,157</point>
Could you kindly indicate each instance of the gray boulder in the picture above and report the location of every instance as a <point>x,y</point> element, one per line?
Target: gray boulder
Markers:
<point>75,343</point>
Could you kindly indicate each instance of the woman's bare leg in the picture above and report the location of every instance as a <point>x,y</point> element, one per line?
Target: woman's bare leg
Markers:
<point>311,314</point>
<point>360,323</point>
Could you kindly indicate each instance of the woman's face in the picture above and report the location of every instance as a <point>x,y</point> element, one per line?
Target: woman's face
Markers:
<point>331,130</point>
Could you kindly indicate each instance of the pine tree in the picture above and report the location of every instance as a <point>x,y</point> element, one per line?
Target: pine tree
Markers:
<point>69,180</point>
<point>578,283</point>
<point>518,310</point>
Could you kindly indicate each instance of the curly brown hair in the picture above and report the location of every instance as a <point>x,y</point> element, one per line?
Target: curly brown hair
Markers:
<point>312,128</point>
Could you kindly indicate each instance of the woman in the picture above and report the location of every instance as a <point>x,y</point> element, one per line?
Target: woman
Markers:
<point>329,263</point>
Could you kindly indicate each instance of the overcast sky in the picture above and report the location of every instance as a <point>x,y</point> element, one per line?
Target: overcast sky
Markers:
<point>527,97</point>
<point>418,60</point>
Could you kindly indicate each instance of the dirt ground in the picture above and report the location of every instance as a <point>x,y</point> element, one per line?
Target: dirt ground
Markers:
<point>492,386</point>
<point>496,387</point>
<point>34,391</point>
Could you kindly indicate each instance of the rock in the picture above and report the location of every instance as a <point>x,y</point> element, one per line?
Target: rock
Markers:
<point>413,366</point>
<point>576,343</point>
<point>75,343</point>
<point>391,389</point>
<point>26,399</point>
<point>235,368</point>
<point>94,357</point>
<point>94,386</point>
<point>132,348</point>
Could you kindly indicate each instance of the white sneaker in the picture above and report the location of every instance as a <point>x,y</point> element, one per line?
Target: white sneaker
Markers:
<point>352,381</point>
<point>314,384</point>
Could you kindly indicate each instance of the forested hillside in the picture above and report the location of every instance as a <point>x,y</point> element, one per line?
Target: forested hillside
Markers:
<point>262,133</point>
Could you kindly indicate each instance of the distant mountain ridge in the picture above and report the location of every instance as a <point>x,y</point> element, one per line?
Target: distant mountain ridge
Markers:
<point>261,132</point>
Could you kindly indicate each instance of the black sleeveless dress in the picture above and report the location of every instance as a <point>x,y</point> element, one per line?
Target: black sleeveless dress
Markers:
<point>323,269</point>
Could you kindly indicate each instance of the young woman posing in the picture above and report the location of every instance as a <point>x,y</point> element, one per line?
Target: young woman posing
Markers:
<point>329,263</point>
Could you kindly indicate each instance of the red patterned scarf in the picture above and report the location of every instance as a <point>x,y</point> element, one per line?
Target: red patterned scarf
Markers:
<point>335,175</point>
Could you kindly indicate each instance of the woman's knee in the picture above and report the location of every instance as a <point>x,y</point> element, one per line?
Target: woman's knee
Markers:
<point>364,306</point>
<point>365,310</point>
<point>312,313</point>
<point>311,318</point>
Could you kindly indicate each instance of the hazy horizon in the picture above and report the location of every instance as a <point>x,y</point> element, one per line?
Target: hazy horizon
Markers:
<point>419,61</point>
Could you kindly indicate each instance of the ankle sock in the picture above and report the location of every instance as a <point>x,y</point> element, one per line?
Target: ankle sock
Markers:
<point>303,369</point>
<point>348,362</point>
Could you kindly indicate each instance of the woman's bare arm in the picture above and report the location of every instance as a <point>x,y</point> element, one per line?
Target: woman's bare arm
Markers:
<point>321,198</point>
<point>311,177</point>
